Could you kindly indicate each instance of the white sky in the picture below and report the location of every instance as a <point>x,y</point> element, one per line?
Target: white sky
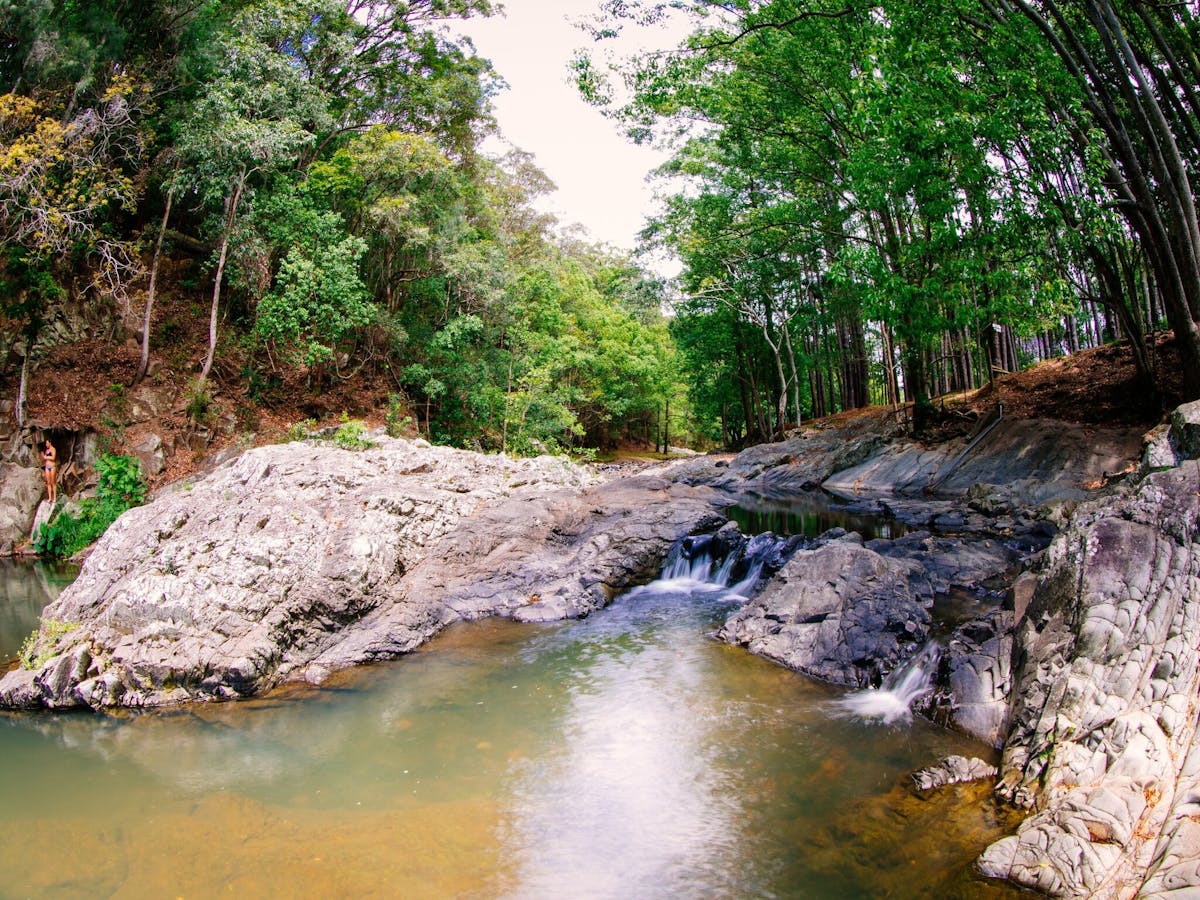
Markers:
<point>600,175</point>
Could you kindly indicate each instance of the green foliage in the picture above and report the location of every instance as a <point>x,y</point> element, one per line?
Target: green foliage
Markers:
<point>199,406</point>
<point>120,481</point>
<point>120,487</point>
<point>300,431</point>
<point>395,420</point>
<point>42,645</point>
<point>351,435</point>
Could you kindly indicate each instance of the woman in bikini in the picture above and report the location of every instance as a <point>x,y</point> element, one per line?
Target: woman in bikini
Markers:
<point>50,471</point>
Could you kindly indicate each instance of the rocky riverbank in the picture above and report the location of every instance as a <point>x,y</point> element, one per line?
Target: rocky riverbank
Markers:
<point>299,559</point>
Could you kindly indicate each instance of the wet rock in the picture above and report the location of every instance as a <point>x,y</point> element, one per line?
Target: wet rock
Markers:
<point>952,770</point>
<point>848,612</point>
<point>1103,742</point>
<point>975,680</point>
<point>950,562</point>
<point>839,612</point>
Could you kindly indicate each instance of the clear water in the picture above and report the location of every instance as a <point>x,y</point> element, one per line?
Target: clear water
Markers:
<point>810,514</point>
<point>25,589</point>
<point>624,755</point>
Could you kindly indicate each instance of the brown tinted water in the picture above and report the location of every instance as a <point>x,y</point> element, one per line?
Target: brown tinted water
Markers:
<point>624,755</point>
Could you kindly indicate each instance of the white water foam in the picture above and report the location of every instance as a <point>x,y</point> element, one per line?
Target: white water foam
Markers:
<point>892,701</point>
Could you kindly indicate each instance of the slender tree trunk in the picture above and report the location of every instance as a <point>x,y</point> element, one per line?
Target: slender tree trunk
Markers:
<point>22,387</point>
<point>507,395</point>
<point>144,363</point>
<point>231,206</point>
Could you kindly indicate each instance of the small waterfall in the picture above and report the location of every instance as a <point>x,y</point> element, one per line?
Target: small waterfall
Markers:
<point>892,701</point>
<point>713,562</point>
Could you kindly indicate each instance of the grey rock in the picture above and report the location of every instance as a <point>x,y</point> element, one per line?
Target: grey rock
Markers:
<point>849,613</point>
<point>21,492</point>
<point>296,560</point>
<point>151,454</point>
<point>1158,452</point>
<point>976,678</point>
<point>1103,741</point>
<point>1020,463</point>
<point>952,770</point>
<point>1185,430</point>
<point>841,612</point>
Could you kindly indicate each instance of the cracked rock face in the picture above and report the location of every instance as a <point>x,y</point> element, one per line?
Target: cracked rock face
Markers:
<point>301,558</point>
<point>1103,743</point>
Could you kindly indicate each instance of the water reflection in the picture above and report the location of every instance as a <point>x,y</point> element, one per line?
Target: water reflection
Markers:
<point>25,589</point>
<point>622,755</point>
<point>810,514</point>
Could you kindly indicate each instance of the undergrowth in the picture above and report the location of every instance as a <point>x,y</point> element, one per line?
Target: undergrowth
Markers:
<point>120,487</point>
<point>54,631</point>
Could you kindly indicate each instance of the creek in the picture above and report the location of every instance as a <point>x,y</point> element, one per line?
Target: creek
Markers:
<point>626,754</point>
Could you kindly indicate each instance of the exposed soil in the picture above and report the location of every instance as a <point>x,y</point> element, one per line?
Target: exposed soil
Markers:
<point>1095,387</point>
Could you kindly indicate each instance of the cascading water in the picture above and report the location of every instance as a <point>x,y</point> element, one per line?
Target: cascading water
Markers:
<point>892,701</point>
<point>724,562</point>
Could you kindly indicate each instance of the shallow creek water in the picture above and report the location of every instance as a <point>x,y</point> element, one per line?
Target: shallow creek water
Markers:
<point>624,755</point>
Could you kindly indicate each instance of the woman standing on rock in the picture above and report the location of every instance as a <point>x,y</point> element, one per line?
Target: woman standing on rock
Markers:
<point>50,471</point>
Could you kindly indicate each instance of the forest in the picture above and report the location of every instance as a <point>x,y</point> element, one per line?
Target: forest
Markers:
<point>317,166</point>
<point>872,202</point>
<point>883,202</point>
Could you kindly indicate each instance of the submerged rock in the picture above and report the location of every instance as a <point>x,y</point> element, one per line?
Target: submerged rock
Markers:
<point>952,770</point>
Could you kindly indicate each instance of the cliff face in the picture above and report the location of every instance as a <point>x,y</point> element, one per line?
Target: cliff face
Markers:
<point>1103,741</point>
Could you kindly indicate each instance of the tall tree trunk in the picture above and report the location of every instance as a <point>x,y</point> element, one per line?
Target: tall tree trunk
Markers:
<point>144,362</point>
<point>231,207</point>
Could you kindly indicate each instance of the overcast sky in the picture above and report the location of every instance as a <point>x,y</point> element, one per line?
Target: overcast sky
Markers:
<point>600,175</point>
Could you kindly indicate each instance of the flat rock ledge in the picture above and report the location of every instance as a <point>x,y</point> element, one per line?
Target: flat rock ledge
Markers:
<point>299,559</point>
<point>1103,743</point>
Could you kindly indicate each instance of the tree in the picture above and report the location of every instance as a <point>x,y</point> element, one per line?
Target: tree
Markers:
<point>248,122</point>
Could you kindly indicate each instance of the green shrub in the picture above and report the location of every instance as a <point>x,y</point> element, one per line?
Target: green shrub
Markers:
<point>120,480</point>
<point>120,487</point>
<point>199,407</point>
<point>300,431</point>
<point>395,421</point>
<point>352,436</point>
<point>54,630</point>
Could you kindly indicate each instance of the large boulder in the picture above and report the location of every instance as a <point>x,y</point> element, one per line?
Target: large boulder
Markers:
<point>21,490</point>
<point>848,612</point>
<point>839,612</point>
<point>1107,692</point>
<point>298,559</point>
